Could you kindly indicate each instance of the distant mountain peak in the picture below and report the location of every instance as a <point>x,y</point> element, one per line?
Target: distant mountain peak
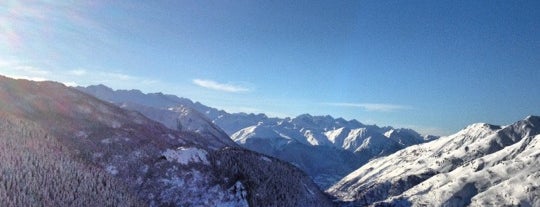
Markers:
<point>533,119</point>
<point>304,116</point>
<point>487,126</point>
<point>101,86</point>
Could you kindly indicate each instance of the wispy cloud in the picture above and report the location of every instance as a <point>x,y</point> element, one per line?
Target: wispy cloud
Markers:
<point>18,70</point>
<point>30,70</point>
<point>45,20</point>
<point>23,70</point>
<point>78,72</point>
<point>113,79</point>
<point>119,76</point>
<point>32,78</point>
<point>378,107</point>
<point>225,87</point>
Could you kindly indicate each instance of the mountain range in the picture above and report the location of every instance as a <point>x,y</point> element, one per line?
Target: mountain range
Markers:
<point>62,147</point>
<point>324,147</point>
<point>481,165</point>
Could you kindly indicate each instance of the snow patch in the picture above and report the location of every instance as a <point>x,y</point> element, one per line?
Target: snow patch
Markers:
<point>185,155</point>
<point>112,170</point>
<point>114,139</point>
<point>81,134</point>
<point>238,195</point>
<point>266,159</point>
<point>106,141</point>
<point>308,190</point>
<point>97,155</point>
<point>144,169</point>
<point>116,124</point>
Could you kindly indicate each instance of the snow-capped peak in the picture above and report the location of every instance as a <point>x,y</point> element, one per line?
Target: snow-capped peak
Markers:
<point>455,170</point>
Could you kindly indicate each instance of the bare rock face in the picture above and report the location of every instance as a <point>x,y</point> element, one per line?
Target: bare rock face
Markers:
<point>156,165</point>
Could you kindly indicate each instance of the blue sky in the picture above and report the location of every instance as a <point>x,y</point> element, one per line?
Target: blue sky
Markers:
<point>434,66</point>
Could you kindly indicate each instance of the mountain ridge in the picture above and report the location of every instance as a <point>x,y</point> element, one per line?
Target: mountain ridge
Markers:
<point>161,165</point>
<point>304,140</point>
<point>465,168</point>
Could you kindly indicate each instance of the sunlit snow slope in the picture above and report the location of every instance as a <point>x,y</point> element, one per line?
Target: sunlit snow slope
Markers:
<point>482,165</point>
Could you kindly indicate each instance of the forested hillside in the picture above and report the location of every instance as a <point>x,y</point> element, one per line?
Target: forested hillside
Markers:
<point>36,170</point>
<point>61,147</point>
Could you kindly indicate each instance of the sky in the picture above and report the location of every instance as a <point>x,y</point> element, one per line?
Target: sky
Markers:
<point>433,66</point>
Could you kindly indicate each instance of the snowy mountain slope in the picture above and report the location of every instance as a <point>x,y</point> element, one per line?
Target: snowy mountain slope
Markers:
<point>182,118</point>
<point>307,129</point>
<point>349,135</point>
<point>157,100</point>
<point>326,148</point>
<point>174,112</point>
<point>162,166</point>
<point>324,164</point>
<point>230,123</point>
<point>480,165</point>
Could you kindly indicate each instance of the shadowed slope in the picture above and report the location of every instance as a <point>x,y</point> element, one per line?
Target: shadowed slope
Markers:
<point>162,166</point>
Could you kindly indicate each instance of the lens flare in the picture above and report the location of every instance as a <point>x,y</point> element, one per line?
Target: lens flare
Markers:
<point>47,29</point>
